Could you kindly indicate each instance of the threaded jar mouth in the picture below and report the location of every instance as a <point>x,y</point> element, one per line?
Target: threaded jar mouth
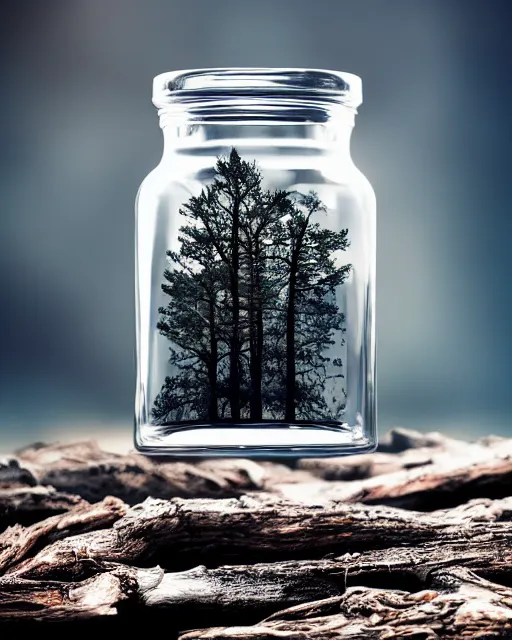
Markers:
<point>255,94</point>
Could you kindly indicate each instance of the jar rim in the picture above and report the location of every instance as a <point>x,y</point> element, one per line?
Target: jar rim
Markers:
<point>199,91</point>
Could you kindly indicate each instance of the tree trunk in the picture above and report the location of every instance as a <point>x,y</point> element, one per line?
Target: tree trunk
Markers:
<point>292,559</point>
<point>255,333</point>
<point>291,309</point>
<point>213,414</point>
<point>234,358</point>
<point>289,415</point>
<point>258,369</point>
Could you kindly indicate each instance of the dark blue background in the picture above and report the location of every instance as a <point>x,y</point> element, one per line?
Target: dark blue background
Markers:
<point>78,133</point>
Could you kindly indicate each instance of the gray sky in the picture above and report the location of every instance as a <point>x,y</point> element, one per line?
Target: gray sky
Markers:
<point>79,133</point>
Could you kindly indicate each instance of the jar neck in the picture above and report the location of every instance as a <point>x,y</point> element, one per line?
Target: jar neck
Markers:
<point>332,137</point>
<point>258,107</point>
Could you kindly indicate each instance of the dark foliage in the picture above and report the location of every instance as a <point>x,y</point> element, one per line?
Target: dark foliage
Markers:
<point>252,309</point>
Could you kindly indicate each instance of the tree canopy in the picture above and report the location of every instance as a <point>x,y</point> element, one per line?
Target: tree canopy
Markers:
<point>252,313</point>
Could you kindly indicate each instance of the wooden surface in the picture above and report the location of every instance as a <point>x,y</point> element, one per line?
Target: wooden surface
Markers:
<point>414,541</point>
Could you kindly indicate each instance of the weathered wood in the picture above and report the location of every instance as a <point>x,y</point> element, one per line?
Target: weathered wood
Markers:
<point>399,439</point>
<point>316,551</point>
<point>458,603</point>
<point>13,474</point>
<point>429,471</point>
<point>25,505</point>
<point>18,541</point>
<point>482,469</point>
<point>253,591</point>
<point>469,608</point>
<point>53,600</point>
<point>244,591</point>
<point>84,469</point>
<point>402,449</point>
<point>181,533</point>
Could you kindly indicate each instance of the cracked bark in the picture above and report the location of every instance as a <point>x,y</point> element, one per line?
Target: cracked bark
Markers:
<point>297,556</point>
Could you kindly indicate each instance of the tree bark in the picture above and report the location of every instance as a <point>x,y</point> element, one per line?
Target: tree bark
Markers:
<point>425,479</point>
<point>289,415</point>
<point>303,561</point>
<point>25,505</point>
<point>462,606</point>
<point>255,331</point>
<point>84,469</point>
<point>213,410</point>
<point>180,533</point>
<point>234,357</point>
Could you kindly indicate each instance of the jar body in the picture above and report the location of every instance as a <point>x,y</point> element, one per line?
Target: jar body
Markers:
<point>255,292</point>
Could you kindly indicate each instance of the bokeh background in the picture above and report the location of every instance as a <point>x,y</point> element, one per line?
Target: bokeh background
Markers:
<point>78,133</point>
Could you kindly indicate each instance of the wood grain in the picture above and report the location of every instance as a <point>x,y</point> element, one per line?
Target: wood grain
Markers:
<point>412,542</point>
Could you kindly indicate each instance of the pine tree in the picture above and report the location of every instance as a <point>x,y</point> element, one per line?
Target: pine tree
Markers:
<point>252,303</point>
<point>262,286</point>
<point>219,210</point>
<point>312,316</point>
<point>195,287</point>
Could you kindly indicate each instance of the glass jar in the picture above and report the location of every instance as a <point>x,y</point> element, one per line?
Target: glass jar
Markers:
<point>255,256</point>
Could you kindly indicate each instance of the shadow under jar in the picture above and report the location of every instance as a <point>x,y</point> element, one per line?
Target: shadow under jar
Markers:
<point>255,262</point>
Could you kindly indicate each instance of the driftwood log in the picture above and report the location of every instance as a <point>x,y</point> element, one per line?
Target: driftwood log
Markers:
<point>414,541</point>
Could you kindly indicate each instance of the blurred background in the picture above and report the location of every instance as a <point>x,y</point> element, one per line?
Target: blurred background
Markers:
<point>78,133</point>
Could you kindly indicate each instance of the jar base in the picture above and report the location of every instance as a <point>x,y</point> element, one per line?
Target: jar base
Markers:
<point>266,439</point>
